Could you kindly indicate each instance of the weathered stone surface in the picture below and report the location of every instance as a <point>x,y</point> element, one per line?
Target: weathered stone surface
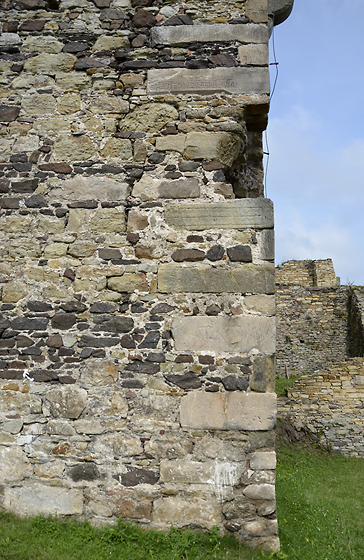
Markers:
<point>237,214</point>
<point>100,374</point>
<point>70,103</point>
<point>67,402</point>
<point>110,43</point>
<point>260,492</point>
<point>43,500</point>
<point>150,188</point>
<point>108,220</point>
<point>73,80</point>
<point>38,104</point>
<point>13,292</point>
<point>190,255</point>
<point>178,35</point>
<point>41,44</point>
<point>249,278</point>
<point>240,253</point>
<point>14,465</point>
<point>241,80</point>
<point>95,188</point>
<point>257,55</point>
<point>181,512</point>
<point>264,373</point>
<point>228,411</point>
<point>216,473</point>
<point>108,104</point>
<point>280,10</point>
<point>117,445</point>
<point>74,148</point>
<point>117,148</point>
<point>188,380</point>
<point>167,447</point>
<point>263,460</point>
<point>128,283</point>
<point>8,113</point>
<point>50,64</point>
<point>135,476</point>
<point>150,117</point>
<point>84,471</point>
<point>267,244</point>
<point>60,427</point>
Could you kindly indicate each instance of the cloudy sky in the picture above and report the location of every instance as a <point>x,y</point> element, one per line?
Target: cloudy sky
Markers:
<point>315,174</point>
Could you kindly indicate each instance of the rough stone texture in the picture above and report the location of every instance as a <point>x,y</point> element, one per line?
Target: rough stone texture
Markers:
<point>111,193</point>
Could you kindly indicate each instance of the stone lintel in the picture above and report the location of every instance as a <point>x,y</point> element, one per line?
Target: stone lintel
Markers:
<point>242,80</point>
<point>241,213</point>
<point>182,34</point>
<point>249,278</point>
<point>228,411</point>
<point>224,334</point>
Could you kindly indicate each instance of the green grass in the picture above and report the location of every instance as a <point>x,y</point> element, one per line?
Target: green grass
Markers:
<point>282,383</point>
<point>320,510</point>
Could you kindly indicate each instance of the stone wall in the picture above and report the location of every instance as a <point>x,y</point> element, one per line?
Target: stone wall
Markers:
<point>356,321</point>
<point>331,404</point>
<point>137,275</point>
<point>312,317</point>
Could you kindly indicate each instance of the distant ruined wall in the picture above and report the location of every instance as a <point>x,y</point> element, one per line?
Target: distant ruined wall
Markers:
<point>312,317</point>
<point>137,264</point>
<point>331,404</point>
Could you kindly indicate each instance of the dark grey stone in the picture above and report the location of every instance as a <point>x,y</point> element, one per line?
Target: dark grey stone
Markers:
<point>186,381</point>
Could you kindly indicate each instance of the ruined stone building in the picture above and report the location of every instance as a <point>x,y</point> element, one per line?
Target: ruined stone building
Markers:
<point>137,263</point>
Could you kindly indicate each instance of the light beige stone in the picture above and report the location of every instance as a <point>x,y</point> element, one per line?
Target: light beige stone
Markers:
<point>14,292</point>
<point>108,220</point>
<point>108,104</point>
<point>74,148</point>
<point>228,411</point>
<point>100,374</point>
<point>27,81</point>
<point>89,427</point>
<point>51,469</point>
<point>41,44</point>
<point>131,80</point>
<point>80,249</point>
<point>262,304</point>
<point>241,80</point>
<point>257,55</point>
<point>38,104</point>
<point>50,63</point>
<point>240,214</point>
<point>22,248</point>
<point>40,499</point>
<point>73,80</point>
<point>12,402</point>
<point>52,125</point>
<point>261,460</point>
<point>14,465</point>
<point>60,427</point>
<point>70,103</point>
<point>117,148</point>
<point>176,278</point>
<point>99,188</point>
<point>136,221</point>
<point>216,473</point>
<point>66,402</point>
<point>180,34</point>
<point>110,43</point>
<point>128,283</point>
<point>181,512</point>
<point>55,250</point>
<point>117,445</point>
<point>257,10</point>
<point>260,492</point>
<point>150,117</point>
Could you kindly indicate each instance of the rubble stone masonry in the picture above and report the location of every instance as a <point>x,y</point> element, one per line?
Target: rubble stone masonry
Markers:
<point>137,264</point>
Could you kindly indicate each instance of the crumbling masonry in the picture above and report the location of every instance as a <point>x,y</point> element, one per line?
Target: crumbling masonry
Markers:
<point>137,276</point>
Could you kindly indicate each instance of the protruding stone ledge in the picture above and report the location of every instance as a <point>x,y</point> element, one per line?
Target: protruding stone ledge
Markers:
<point>248,81</point>
<point>249,278</point>
<point>181,34</point>
<point>228,411</point>
<point>224,334</point>
<point>243,213</point>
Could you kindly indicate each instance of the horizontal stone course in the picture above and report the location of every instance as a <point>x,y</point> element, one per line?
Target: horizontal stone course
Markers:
<point>180,35</point>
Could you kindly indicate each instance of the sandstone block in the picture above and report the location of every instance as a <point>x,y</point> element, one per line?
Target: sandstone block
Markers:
<point>267,244</point>
<point>74,148</point>
<point>50,64</point>
<point>264,374</point>
<point>257,55</point>
<point>93,188</point>
<point>128,283</point>
<point>149,188</point>
<point>180,34</point>
<point>67,402</point>
<point>167,446</point>
<point>60,427</point>
<point>263,460</point>
<point>80,249</point>
<point>22,248</point>
<point>13,292</point>
<point>257,11</point>
<point>216,473</point>
<point>150,117</point>
<point>39,499</point>
<point>90,427</point>
<point>228,411</point>
<point>108,220</point>
<point>70,103</point>
<point>117,445</point>
<point>136,221</point>
<point>240,80</point>
<point>260,492</point>
<point>262,304</point>
<point>38,104</point>
<point>14,465</point>
<point>110,43</point>
<point>100,374</point>
<point>239,214</point>
<point>181,512</point>
<point>73,80</point>
<point>108,104</point>
<point>41,44</point>
<point>117,148</point>
<point>251,278</point>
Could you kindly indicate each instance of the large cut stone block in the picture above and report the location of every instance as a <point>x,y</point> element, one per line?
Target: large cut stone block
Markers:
<point>224,334</point>
<point>100,188</point>
<point>241,80</point>
<point>228,411</point>
<point>250,278</point>
<point>256,213</point>
<point>183,512</point>
<point>43,500</point>
<point>181,34</point>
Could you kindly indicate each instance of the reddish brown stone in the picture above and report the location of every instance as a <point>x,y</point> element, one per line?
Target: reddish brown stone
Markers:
<point>56,167</point>
<point>143,18</point>
<point>190,255</point>
<point>212,165</point>
<point>134,510</point>
<point>32,25</point>
<point>61,449</point>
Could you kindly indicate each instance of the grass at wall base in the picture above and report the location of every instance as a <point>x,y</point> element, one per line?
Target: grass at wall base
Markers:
<point>320,501</point>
